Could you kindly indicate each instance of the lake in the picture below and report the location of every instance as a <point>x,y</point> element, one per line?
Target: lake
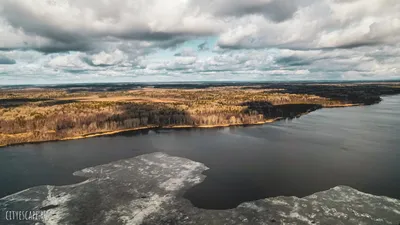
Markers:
<point>357,147</point>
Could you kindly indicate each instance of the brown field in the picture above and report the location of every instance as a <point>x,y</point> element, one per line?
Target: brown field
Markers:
<point>97,98</point>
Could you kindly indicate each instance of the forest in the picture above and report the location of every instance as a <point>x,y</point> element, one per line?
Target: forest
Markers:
<point>33,114</point>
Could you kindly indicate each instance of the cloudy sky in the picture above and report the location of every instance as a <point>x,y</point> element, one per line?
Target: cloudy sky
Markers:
<point>69,41</point>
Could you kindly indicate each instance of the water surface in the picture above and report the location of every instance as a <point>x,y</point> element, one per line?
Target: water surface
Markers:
<point>357,147</point>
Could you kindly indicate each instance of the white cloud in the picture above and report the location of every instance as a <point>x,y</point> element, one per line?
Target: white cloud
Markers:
<point>108,59</point>
<point>255,39</point>
<point>77,25</point>
<point>69,61</point>
<point>323,24</point>
<point>81,25</point>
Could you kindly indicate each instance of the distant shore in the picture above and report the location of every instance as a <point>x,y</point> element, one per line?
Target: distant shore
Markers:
<point>106,133</point>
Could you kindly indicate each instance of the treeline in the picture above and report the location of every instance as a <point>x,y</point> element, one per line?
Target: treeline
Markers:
<point>35,123</point>
<point>365,94</point>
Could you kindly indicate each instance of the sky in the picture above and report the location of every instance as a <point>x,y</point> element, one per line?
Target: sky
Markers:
<point>75,41</point>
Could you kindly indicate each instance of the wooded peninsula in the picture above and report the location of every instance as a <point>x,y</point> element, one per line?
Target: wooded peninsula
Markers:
<point>46,113</point>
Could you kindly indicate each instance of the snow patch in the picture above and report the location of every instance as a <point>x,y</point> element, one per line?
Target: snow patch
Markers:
<point>141,208</point>
<point>55,215</point>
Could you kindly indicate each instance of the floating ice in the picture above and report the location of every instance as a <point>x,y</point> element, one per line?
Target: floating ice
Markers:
<point>148,190</point>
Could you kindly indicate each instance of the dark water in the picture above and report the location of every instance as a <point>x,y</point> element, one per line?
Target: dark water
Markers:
<point>358,147</point>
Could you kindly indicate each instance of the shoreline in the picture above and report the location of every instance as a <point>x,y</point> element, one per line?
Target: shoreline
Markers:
<point>106,133</point>
<point>344,105</point>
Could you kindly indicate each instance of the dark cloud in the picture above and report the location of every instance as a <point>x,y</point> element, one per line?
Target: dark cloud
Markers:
<point>75,71</point>
<point>6,60</point>
<point>57,26</point>
<point>277,11</point>
<point>203,46</point>
<point>21,17</point>
<point>358,44</point>
<point>345,1</point>
<point>146,35</point>
<point>292,61</point>
<point>77,37</point>
<point>57,47</point>
<point>274,10</point>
